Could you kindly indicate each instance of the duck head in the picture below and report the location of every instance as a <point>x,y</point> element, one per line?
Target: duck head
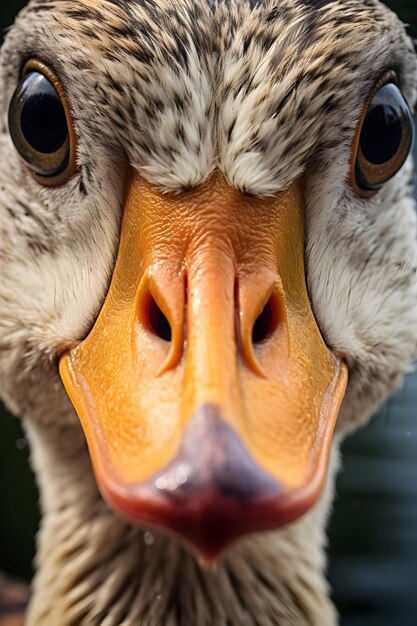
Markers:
<point>225,245</point>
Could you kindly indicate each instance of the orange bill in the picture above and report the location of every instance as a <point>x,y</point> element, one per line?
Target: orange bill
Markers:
<point>205,390</point>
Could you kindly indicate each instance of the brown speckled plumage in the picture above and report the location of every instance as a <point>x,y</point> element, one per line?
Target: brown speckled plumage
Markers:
<point>182,89</point>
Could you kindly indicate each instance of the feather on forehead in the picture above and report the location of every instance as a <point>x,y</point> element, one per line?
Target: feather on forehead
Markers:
<point>256,90</point>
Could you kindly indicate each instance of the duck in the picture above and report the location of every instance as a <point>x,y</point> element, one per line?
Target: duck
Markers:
<point>208,267</point>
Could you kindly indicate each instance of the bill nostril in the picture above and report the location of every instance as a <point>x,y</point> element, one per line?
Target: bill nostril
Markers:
<point>266,323</point>
<point>158,323</point>
<point>158,336</point>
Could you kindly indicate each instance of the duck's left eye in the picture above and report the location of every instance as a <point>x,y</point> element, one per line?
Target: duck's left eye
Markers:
<point>40,126</point>
<point>384,140</point>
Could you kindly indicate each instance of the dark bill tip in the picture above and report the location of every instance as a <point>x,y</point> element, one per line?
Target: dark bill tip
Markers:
<point>211,493</point>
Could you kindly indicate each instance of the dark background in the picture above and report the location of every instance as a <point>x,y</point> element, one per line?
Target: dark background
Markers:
<point>373,531</point>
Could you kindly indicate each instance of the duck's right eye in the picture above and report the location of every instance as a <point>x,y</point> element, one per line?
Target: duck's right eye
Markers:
<point>384,140</point>
<point>40,128</point>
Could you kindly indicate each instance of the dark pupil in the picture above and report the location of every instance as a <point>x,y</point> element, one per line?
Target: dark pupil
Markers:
<point>43,120</point>
<point>381,134</point>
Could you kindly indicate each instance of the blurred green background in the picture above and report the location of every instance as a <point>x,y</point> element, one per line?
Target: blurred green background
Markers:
<point>373,532</point>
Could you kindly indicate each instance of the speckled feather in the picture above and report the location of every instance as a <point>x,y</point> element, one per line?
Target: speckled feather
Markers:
<point>265,91</point>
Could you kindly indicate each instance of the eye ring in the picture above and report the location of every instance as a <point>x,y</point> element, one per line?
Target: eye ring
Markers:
<point>50,168</point>
<point>376,159</point>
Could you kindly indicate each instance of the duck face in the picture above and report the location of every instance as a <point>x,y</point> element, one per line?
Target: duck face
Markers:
<point>197,170</point>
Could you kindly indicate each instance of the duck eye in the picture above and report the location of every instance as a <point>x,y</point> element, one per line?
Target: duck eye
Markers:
<point>384,140</point>
<point>40,126</point>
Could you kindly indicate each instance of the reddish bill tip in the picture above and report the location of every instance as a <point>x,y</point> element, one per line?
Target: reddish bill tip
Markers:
<point>212,492</point>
